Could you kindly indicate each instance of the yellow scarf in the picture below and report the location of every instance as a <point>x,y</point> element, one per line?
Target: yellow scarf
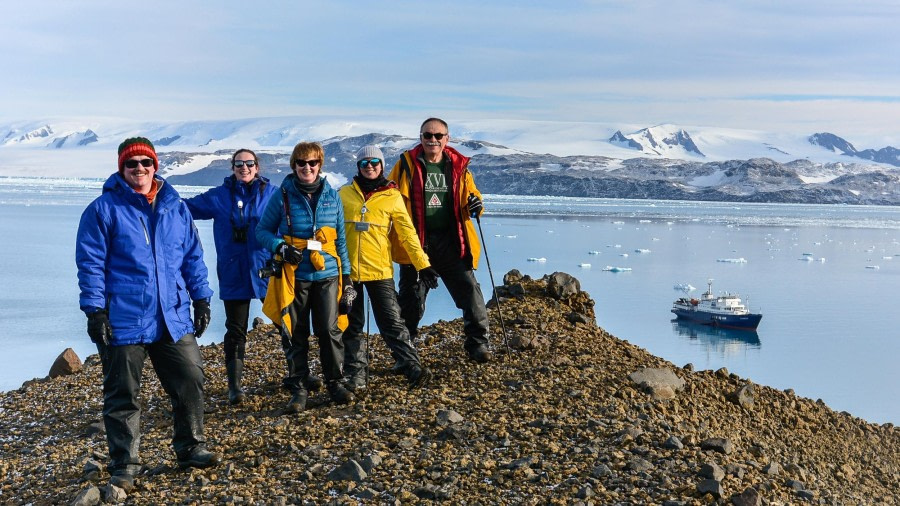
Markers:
<point>280,293</point>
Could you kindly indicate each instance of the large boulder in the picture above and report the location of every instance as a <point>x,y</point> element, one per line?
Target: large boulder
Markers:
<point>66,363</point>
<point>562,286</point>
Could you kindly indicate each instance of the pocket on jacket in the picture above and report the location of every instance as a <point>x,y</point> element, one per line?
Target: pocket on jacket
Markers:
<point>126,305</point>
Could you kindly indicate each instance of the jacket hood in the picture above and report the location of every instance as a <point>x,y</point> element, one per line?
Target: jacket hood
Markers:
<point>116,183</point>
<point>231,181</point>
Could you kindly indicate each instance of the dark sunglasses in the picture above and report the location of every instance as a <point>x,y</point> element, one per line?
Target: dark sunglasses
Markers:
<point>132,164</point>
<point>241,163</point>
<point>428,135</point>
<point>365,163</point>
<point>311,163</point>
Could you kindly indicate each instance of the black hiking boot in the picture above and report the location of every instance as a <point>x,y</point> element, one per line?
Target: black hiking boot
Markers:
<point>123,480</point>
<point>312,383</point>
<point>479,354</point>
<point>339,394</point>
<point>418,376</point>
<point>199,457</point>
<point>297,402</point>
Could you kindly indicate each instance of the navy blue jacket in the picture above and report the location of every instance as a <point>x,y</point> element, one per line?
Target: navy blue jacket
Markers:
<point>329,212</point>
<point>236,262</point>
<point>143,263</point>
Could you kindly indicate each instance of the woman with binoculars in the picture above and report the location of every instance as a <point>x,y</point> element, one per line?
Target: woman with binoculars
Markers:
<point>235,208</point>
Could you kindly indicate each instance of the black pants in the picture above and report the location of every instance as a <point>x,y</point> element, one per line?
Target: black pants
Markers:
<point>386,310</point>
<point>317,299</point>
<point>180,371</point>
<point>459,278</point>
<point>237,318</point>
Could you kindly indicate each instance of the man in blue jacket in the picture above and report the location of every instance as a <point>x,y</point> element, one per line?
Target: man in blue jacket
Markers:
<point>235,207</point>
<point>140,263</point>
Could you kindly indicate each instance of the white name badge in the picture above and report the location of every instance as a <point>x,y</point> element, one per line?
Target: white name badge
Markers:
<point>313,245</point>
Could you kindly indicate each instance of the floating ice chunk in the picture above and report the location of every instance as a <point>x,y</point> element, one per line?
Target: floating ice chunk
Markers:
<point>610,268</point>
<point>887,258</point>
<point>655,239</point>
<point>623,255</point>
<point>593,252</point>
<point>684,287</point>
<point>511,236</point>
<point>644,221</point>
<point>618,223</point>
<point>740,260</point>
<point>807,254</point>
<point>642,250</point>
<point>584,266</point>
<point>617,246</point>
<point>541,259</point>
<point>822,260</point>
<point>873,267</point>
<point>805,259</point>
<point>498,235</point>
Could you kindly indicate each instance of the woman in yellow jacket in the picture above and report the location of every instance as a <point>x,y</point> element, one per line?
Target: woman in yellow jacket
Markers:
<point>373,208</point>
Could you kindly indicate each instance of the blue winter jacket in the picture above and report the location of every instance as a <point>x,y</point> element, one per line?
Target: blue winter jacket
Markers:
<point>328,213</point>
<point>144,264</point>
<point>236,262</point>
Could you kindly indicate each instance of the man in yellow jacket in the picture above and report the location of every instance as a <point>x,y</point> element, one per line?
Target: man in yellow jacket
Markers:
<point>373,209</point>
<point>441,198</point>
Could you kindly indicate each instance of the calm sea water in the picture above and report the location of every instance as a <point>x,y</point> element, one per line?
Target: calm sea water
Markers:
<point>829,328</point>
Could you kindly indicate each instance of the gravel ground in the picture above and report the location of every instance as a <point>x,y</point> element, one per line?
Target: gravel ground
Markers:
<point>573,415</point>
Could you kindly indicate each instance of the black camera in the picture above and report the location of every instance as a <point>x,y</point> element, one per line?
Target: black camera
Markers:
<point>239,234</point>
<point>271,268</point>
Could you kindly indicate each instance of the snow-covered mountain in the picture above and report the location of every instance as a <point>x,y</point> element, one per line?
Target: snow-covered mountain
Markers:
<point>669,141</point>
<point>546,158</point>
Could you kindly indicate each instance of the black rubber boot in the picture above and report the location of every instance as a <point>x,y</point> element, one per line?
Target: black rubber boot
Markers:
<point>297,402</point>
<point>339,393</point>
<point>235,371</point>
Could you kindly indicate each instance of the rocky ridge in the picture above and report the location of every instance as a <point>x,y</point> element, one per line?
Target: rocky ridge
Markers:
<point>573,415</point>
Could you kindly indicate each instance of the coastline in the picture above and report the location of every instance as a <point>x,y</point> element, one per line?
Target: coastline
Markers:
<point>562,419</point>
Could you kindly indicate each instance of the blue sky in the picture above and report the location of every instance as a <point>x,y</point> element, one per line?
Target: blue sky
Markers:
<point>798,66</point>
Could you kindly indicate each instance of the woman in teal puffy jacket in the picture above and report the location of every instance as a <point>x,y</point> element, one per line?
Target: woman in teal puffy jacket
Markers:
<point>308,208</point>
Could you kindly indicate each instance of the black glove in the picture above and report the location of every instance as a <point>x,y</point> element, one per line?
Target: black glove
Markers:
<point>347,298</point>
<point>201,317</point>
<point>98,327</point>
<point>289,253</point>
<point>475,205</point>
<point>429,277</point>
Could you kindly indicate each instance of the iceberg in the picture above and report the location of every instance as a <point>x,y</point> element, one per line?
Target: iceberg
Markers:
<point>541,259</point>
<point>684,287</point>
<point>642,250</point>
<point>610,268</point>
<point>584,266</point>
<point>593,252</point>
<point>741,260</point>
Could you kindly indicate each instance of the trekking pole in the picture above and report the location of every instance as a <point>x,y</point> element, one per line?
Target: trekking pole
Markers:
<point>368,351</point>
<point>493,285</point>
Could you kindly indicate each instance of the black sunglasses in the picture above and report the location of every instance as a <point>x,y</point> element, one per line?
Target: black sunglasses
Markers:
<point>311,163</point>
<point>365,163</point>
<point>428,135</point>
<point>132,164</point>
<point>241,163</point>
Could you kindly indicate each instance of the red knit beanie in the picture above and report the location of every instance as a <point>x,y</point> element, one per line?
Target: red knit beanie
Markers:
<point>137,146</point>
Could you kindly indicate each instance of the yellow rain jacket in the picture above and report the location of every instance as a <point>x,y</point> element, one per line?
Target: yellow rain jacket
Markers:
<point>370,226</point>
<point>407,173</point>
<point>280,293</point>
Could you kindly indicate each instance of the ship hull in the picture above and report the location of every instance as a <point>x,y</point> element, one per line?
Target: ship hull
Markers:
<point>743,321</point>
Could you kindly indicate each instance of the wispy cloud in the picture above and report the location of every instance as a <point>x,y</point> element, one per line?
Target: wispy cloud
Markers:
<point>742,64</point>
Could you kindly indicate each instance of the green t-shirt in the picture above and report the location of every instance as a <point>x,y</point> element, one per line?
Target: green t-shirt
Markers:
<point>438,208</point>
